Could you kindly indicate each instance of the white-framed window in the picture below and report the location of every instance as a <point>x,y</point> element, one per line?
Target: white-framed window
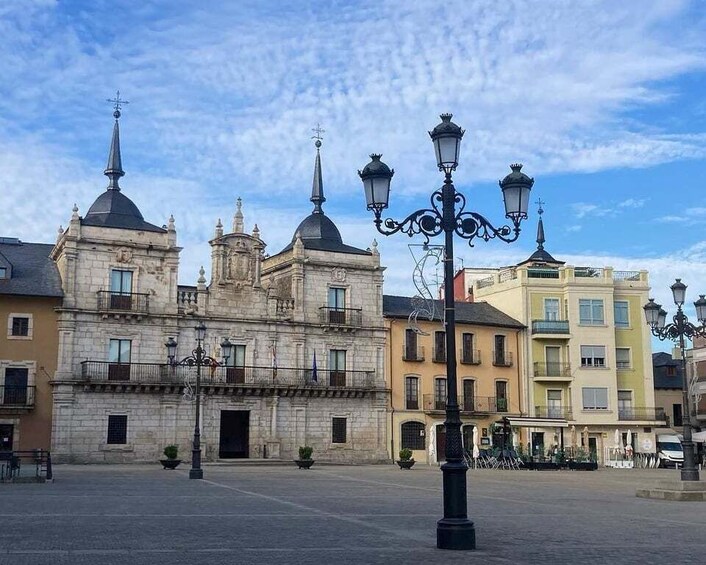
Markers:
<point>20,326</point>
<point>594,398</point>
<point>3,272</point>
<point>551,309</point>
<point>622,358</point>
<point>591,312</point>
<point>622,313</point>
<point>593,356</point>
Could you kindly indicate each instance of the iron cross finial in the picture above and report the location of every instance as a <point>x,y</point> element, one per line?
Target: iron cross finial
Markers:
<point>318,131</point>
<point>540,203</point>
<point>118,102</point>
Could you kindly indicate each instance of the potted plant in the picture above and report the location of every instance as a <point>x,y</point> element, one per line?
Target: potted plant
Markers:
<point>583,462</point>
<point>170,452</point>
<point>305,461</point>
<point>405,461</point>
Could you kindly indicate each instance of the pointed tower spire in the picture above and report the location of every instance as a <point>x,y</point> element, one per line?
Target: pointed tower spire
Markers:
<point>238,224</point>
<point>317,188</point>
<point>114,168</point>
<point>540,225</point>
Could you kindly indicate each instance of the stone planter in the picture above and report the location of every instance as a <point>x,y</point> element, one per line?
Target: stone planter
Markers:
<point>304,463</point>
<point>170,463</point>
<point>406,464</point>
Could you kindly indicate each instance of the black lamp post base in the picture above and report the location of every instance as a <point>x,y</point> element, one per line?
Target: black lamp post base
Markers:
<point>455,533</point>
<point>689,474</point>
<point>196,473</point>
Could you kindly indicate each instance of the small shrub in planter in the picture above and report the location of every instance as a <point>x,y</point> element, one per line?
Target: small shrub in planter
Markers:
<point>171,453</point>
<point>405,461</point>
<point>305,461</point>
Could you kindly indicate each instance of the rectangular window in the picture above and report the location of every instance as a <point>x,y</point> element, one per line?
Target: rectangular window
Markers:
<point>337,305</point>
<point>500,357</point>
<point>677,415</point>
<point>440,393</point>
<point>622,357</point>
<point>593,356</point>
<point>440,347</point>
<point>338,430</point>
<point>20,326</point>
<point>501,395</point>
<point>235,370</point>
<point>119,355</point>
<point>337,367</point>
<point>551,308</point>
<point>15,390</point>
<point>469,401</point>
<point>554,409</point>
<point>120,290</point>
<point>591,312</point>
<point>117,429</point>
<point>594,398</point>
<point>411,393</point>
<point>410,345</point>
<point>625,404</point>
<point>467,353</point>
<point>622,314</point>
<point>3,272</point>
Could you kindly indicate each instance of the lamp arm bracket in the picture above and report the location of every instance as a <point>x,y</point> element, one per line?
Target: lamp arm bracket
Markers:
<point>470,225</point>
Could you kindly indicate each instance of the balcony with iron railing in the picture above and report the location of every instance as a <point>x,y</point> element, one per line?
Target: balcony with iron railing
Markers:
<point>411,353</point>
<point>641,413</point>
<point>552,370</point>
<point>134,302</point>
<point>470,356</point>
<point>16,397</point>
<point>502,358</point>
<point>554,412</point>
<point>550,327</point>
<point>470,404</point>
<point>253,376</point>
<point>341,317</point>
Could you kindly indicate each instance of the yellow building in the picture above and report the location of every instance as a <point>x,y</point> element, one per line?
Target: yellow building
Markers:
<point>30,291</point>
<point>487,367</point>
<point>588,362</point>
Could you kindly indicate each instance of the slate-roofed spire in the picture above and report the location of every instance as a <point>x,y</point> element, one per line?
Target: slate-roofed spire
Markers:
<point>317,188</point>
<point>540,227</point>
<point>114,168</point>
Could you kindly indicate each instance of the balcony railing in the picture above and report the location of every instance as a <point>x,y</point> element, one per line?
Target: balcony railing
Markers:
<point>502,358</point>
<point>16,396</point>
<point>345,317</point>
<point>559,412</point>
<point>542,273</point>
<point>413,353</point>
<point>475,404</point>
<point>550,326</point>
<point>124,302</point>
<point>552,369</point>
<point>158,373</point>
<point>642,413</point>
<point>470,356</point>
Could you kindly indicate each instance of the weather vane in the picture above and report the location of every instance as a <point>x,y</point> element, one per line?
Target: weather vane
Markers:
<point>118,102</point>
<point>540,203</point>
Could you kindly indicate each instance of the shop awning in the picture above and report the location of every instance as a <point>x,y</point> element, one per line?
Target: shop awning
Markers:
<point>521,422</point>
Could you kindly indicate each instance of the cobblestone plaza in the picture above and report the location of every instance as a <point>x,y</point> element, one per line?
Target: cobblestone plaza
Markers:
<point>339,514</point>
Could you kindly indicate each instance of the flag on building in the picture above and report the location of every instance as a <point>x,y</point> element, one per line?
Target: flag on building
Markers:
<point>274,360</point>
<point>314,375</point>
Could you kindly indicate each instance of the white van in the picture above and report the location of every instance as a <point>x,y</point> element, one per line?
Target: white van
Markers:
<point>669,450</point>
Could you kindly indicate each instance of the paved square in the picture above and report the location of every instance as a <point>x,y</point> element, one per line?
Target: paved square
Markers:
<point>142,514</point>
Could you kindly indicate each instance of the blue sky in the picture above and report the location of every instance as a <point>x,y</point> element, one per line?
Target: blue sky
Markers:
<point>601,101</point>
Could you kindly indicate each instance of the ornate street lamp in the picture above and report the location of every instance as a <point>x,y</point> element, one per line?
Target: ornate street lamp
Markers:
<point>454,530</point>
<point>677,330</point>
<point>199,359</point>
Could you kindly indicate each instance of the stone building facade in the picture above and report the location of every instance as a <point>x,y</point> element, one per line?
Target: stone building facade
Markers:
<point>307,366</point>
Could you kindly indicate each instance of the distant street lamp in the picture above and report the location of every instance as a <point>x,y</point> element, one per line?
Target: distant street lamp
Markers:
<point>454,530</point>
<point>677,331</point>
<point>198,358</point>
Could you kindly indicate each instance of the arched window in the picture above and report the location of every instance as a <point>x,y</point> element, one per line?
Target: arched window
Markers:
<point>413,435</point>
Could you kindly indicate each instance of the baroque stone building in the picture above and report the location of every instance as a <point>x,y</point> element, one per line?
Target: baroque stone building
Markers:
<point>307,366</point>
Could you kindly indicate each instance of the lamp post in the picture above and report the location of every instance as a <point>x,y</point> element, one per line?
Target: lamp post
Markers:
<point>677,330</point>
<point>454,530</point>
<point>199,359</point>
